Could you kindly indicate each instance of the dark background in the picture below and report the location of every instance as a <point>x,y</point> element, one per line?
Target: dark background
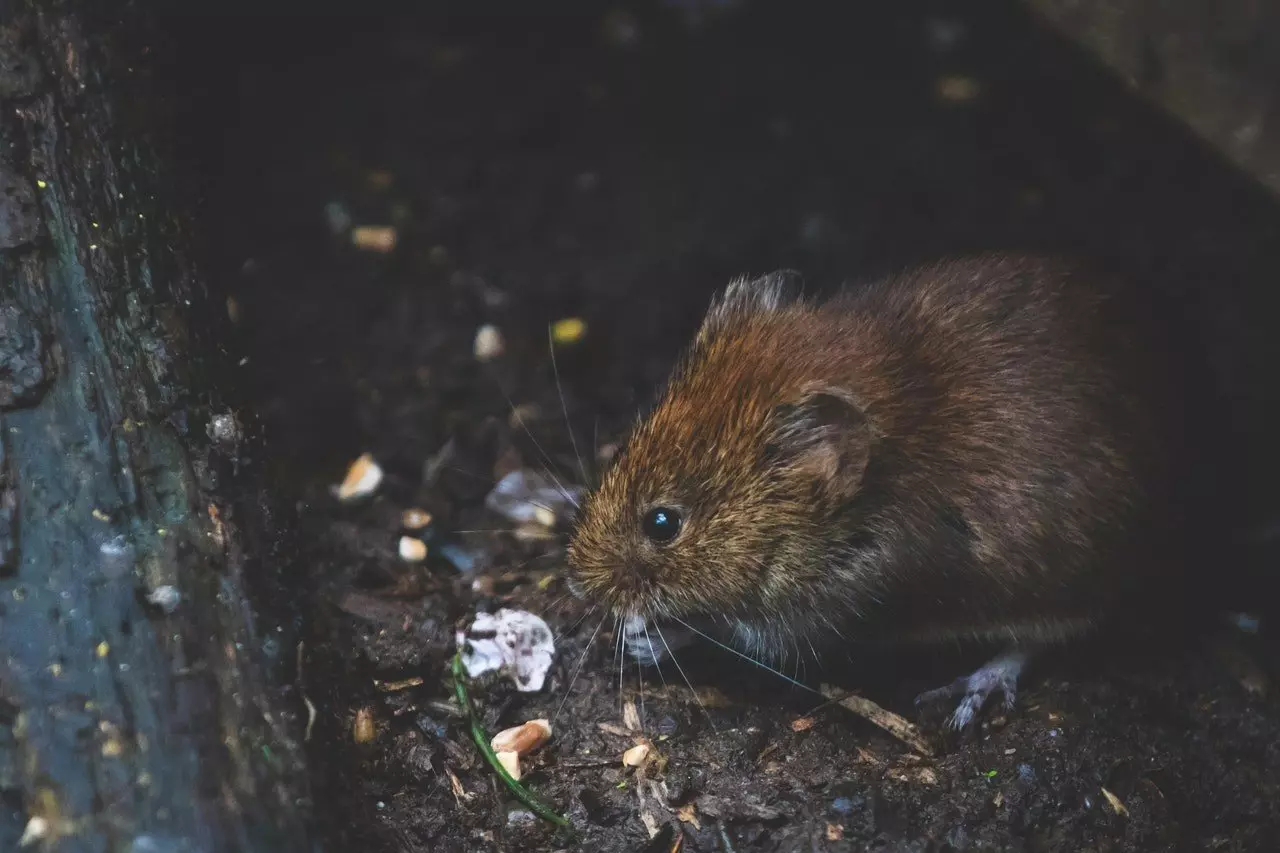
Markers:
<point>620,163</point>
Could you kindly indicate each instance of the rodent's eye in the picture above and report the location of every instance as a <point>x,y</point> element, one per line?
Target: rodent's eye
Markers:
<point>661,524</point>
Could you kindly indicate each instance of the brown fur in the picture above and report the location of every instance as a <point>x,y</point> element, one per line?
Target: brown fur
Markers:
<point>971,448</point>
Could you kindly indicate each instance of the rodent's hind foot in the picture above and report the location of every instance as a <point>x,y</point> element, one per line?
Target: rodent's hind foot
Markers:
<point>1000,673</point>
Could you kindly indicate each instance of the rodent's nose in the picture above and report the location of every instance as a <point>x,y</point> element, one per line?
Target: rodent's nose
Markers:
<point>632,578</point>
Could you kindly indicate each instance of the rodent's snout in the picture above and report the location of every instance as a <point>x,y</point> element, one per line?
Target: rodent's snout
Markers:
<point>602,574</point>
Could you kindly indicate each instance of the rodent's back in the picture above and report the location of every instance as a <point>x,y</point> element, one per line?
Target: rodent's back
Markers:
<point>1019,408</point>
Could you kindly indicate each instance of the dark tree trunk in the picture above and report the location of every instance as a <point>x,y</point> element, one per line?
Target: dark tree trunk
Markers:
<point>143,702</point>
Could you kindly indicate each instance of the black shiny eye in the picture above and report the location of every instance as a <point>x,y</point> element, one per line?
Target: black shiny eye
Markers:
<point>661,524</point>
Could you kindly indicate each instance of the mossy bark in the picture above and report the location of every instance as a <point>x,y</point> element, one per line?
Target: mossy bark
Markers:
<point>146,638</point>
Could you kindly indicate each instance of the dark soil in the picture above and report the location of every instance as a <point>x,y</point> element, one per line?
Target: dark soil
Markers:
<point>618,164</point>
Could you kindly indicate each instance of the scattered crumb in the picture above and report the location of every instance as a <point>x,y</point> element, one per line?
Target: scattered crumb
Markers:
<point>510,762</point>
<point>363,478</point>
<point>835,832</point>
<point>569,330</point>
<point>374,238</point>
<point>412,550</point>
<point>522,739</point>
<point>363,729</point>
<point>802,724</point>
<point>636,755</point>
<point>489,343</point>
<point>415,518</point>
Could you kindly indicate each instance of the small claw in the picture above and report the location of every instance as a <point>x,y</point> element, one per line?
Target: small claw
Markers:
<point>1001,674</point>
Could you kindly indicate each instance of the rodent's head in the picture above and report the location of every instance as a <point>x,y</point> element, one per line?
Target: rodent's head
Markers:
<point>716,505</point>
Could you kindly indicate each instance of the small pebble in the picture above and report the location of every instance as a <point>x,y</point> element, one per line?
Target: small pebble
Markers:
<point>842,805</point>
<point>520,817</point>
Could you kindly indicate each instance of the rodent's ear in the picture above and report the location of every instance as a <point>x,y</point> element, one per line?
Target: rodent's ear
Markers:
<point>825,434</point>
<point>745,296</point>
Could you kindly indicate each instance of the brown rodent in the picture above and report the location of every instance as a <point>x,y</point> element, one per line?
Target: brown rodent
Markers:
<point>977,448</point>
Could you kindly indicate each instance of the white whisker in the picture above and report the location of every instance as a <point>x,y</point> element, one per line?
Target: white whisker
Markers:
<point>680,670</point>
<point>748,658</point>
<point>564,407</point>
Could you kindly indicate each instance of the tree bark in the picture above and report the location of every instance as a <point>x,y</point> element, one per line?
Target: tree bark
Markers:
<point>143,703</point>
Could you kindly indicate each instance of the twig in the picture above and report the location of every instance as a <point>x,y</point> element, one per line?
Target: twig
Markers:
<point>522,793</point>
<point>894,724</point>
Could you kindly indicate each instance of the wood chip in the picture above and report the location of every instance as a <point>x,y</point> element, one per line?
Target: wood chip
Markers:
<point>631,716</point>
<point>522,739</point>
<point>397,686</point>
<point>459,793</point>
<point>688,813</point>
<point>894,724</point>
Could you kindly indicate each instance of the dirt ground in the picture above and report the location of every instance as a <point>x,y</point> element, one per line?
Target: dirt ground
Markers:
<point>618,164</point>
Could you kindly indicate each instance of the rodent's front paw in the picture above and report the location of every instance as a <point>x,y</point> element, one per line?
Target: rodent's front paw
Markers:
<point>1000,673</point>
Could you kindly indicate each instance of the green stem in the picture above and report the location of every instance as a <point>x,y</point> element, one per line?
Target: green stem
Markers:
<point>522,793</point>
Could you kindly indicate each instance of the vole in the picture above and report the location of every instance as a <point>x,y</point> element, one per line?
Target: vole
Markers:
<point>981,448</point>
